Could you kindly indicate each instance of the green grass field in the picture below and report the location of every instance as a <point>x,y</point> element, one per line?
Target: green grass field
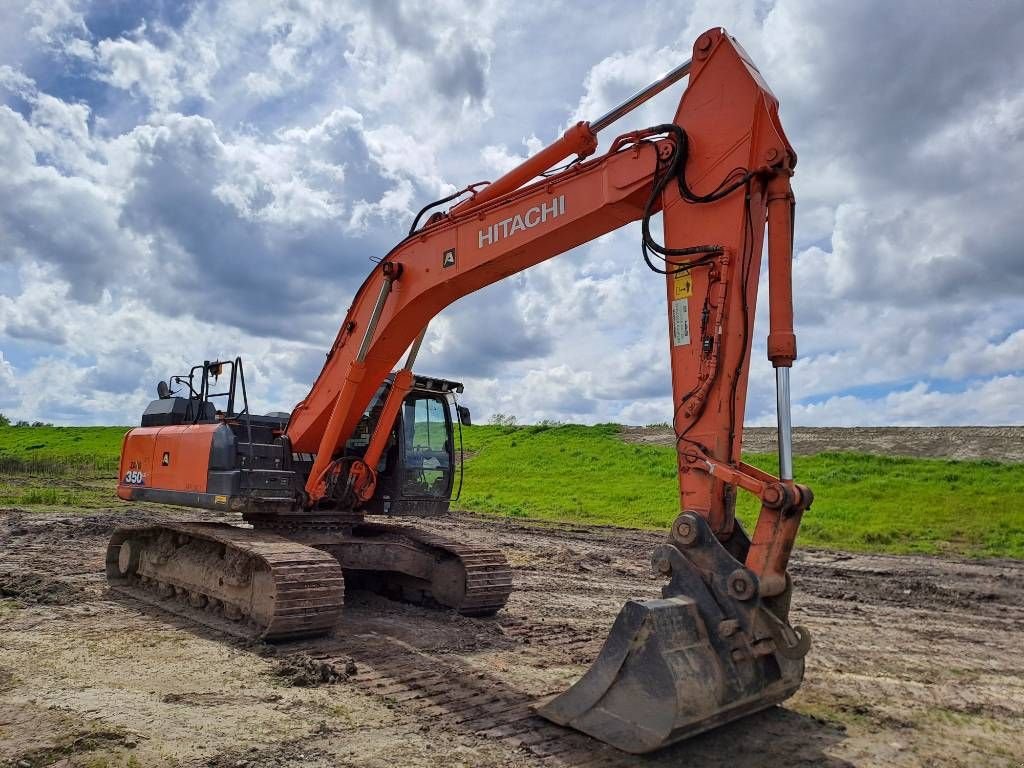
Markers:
<point>588,475</point>
<point>866,503</point>
<point>47,449</point>
<point>47,467</point>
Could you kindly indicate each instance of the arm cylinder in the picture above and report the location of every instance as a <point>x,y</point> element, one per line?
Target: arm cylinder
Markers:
<point>578,140</point>
<point>638,98</point>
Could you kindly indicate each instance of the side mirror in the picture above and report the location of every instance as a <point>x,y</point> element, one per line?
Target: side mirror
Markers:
<point>163,391</point>
<point>464,418</point>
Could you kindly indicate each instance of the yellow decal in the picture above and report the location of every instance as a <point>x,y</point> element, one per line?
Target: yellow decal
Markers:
<point>682,286</point>
<point>220,499</point>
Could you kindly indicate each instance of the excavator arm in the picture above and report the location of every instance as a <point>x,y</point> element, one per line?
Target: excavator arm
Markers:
<point>717,173</point>
<point>727,148</point>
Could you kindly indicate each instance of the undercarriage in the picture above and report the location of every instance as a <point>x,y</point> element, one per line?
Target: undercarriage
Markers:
<point>286,584</point>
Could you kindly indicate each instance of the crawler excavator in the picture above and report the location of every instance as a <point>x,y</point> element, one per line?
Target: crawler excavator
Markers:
<point>373,438</point>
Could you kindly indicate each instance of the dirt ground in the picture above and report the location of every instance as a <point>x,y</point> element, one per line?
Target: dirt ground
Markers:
<point>1000,443</point>
<point>916,661</point>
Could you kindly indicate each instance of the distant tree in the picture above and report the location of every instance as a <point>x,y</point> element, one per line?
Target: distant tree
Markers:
<point>501,420</point>
<point>4,421</point>
<point>41,424</point>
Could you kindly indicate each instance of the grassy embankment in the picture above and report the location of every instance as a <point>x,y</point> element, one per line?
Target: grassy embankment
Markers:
<point>588,475</point>
<point>58,466</point>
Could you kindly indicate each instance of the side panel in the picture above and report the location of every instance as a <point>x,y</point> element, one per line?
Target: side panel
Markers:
<point>181,457</point>
<point>136,461</point>
<point>172,458</point>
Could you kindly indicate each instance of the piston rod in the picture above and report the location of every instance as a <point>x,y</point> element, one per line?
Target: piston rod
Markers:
<point>785,421</point>
<point>371,326</point>
<point>414,350</point>
<point>638,98</point>
<point>579,140</point>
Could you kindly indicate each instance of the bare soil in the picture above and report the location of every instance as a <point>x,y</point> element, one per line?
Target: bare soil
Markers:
<point>996,443</point>
<point>916,661</point>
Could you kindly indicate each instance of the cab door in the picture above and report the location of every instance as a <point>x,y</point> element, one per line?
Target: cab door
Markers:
<point>426,472</point>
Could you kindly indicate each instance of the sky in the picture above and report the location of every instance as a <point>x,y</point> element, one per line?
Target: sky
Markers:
<point>183,181</point>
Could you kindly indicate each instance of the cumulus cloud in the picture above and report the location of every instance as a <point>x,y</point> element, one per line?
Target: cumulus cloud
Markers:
<point>215,179</point>
<point>998,401</point>
<point>54,20</point>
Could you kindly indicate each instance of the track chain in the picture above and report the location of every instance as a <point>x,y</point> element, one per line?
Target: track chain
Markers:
<point>308,584</point>
<point>488,574</point>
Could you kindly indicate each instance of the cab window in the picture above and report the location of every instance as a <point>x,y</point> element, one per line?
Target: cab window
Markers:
<point>427,464</point>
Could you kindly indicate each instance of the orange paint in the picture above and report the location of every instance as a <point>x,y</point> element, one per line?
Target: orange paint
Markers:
<point>187,449</point>
<point>730,118</point>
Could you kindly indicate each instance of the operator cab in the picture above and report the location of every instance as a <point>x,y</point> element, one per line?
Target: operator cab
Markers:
<point>417,472</point>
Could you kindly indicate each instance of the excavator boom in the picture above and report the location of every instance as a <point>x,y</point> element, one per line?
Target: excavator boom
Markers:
<point>718,643</point>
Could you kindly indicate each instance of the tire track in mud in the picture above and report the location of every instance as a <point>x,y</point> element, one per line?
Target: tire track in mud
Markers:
<point>468,701</point>
<point>908,649</point>
<point>553,636</point>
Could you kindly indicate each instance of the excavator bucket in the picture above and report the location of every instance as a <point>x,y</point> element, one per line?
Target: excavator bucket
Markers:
<point>710,651</point>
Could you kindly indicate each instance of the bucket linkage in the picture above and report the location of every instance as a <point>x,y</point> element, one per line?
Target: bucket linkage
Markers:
<point>709,651</point>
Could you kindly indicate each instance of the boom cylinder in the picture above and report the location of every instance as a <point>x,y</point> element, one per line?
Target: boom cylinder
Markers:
<point>414,350</point>
<point>371,326</point>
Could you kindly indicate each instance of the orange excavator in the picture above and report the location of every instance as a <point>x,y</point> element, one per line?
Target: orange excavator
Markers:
<point>373,438</point>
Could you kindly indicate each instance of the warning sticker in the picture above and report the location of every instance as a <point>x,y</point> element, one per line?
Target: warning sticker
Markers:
<point>680,322</point>
<point>682,286</point>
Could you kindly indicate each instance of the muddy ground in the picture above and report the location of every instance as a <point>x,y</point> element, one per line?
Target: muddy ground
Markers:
<point>999,443</point>
<point>916,661</point>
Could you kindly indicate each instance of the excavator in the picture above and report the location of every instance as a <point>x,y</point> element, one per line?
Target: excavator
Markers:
<point>373,439</point>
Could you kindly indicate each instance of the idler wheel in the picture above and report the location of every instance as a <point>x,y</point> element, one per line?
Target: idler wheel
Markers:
<point>127,557</point>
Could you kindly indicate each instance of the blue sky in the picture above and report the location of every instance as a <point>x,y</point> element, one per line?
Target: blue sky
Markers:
<point>180,181</point>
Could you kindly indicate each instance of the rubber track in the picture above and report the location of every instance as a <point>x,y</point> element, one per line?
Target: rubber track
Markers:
<point>488,574</point>
<point>309,584</point>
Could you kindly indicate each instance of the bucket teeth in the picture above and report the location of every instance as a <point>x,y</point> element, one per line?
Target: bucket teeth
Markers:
<point>704,654</point>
